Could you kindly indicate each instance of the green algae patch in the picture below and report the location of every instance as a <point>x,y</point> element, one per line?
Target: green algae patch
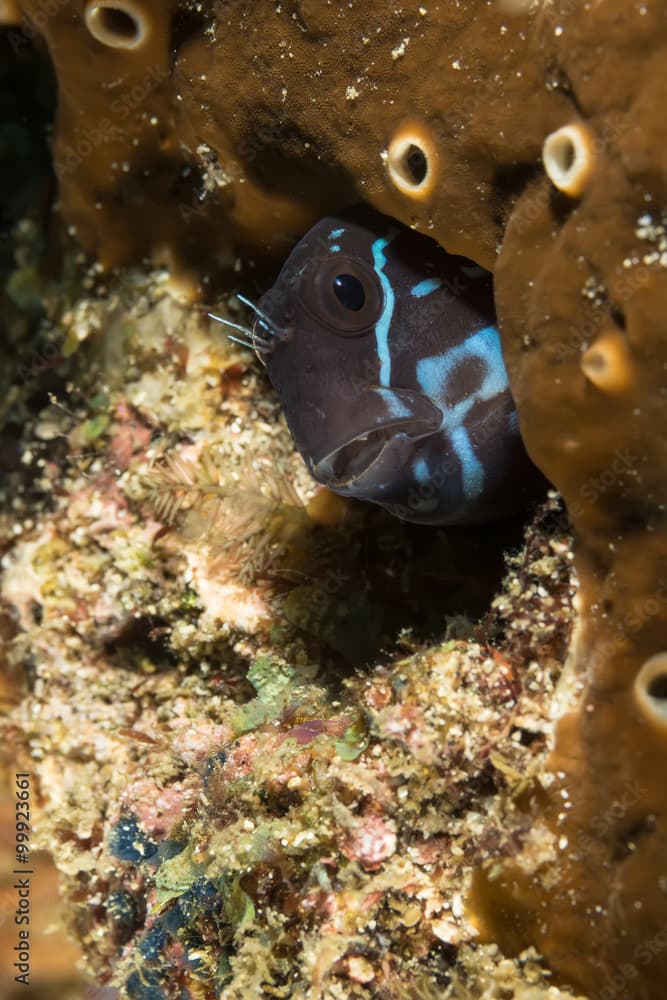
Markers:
<point>272,681</point>
<point>90,430</point>
<point>174,877</point>
<point>353,742</point>
<point>239,906</point>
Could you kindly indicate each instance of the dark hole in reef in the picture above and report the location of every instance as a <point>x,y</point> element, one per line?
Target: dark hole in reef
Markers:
<point>628,837</point>
<point>485,782</point>
<point>22,478</point>
<point>614,312</point>
<point>403,576</point>
<point>565,155</point>
<point>559,82</point>
<point>29,360</point>
<point>187,190</point>
<point>187,24</point>
<point>618,317</point>
<point>526,737</point>
<point>634,522</point>
<point>146,635</point>
<point>10,451</point>
<point>280,155</point>
<point>442,954</point>
<point>279,803</point>
<point>27,108</point>
<point>125,913</point>
<point>657,687</point>
<point>509,183</point>
<point>416,164</point>
<point>117,22</point>
<point>561,206</point>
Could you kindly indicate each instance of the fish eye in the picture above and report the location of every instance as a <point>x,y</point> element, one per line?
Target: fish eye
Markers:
<point>343,294</point>
<point>349,291</point>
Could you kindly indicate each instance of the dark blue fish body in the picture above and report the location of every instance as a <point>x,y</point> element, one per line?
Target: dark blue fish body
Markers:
<point>385,353</point>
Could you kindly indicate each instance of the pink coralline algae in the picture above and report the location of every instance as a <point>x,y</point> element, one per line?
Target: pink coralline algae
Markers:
<point>371,841</point>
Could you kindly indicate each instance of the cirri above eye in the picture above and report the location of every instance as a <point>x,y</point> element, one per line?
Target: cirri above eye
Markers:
<point>343,294</point>
<point>349,291</point>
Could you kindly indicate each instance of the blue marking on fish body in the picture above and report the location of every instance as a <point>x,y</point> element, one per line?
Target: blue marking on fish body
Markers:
<point>384,322</point>
<point>486,345</point>
<point>472,469</point>
<point>433,373</point>
<point>395,406</point>
<point>425,287</point>
<point>421,470</point>
<point>386,355</point>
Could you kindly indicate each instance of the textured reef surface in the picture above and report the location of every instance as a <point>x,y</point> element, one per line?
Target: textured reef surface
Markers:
<point>240,775</point>
<point>245,795</point>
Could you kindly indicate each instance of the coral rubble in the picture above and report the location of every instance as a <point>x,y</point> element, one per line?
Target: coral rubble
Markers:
<point>241,826</point>
<point>534,143</point>
<point>246,815</point>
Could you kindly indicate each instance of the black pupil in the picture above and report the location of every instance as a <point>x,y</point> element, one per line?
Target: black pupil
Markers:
<point>349,291</point>
<point>417,164</point>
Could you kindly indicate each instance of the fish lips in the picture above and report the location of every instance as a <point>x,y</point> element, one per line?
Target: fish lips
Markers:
<point>409,416</point>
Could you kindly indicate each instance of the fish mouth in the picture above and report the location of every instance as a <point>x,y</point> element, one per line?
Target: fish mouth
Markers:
<point>397,412</point>
<point>354,459</point>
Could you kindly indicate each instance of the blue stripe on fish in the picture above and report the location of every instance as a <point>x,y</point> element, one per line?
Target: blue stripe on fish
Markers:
<point>383,323</point>
<point>421,470</point>
<point>472,468</point>
<point>425,287</point>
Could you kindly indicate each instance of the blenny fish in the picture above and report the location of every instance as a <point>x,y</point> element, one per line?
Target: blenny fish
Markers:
<point>386,355</point>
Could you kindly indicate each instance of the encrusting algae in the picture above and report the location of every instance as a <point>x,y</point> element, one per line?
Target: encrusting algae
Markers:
<point>260,793</point>
<point>243,827</point>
